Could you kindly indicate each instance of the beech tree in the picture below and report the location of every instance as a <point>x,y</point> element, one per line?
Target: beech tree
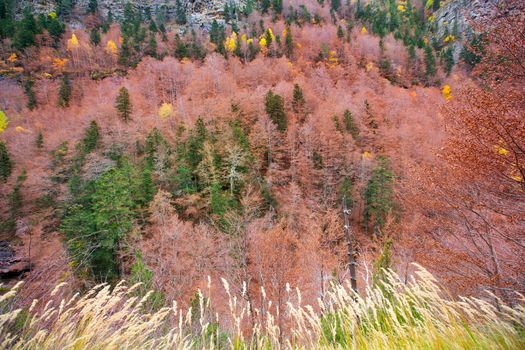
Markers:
<point>123,104</point>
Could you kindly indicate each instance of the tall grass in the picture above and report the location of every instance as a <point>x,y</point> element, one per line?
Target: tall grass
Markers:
<point>392,315</point>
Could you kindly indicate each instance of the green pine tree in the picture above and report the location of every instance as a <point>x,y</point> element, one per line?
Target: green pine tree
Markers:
<point>350,125</point>
<point>180,13</point>
<point>430,62</point>
<point>6,164</point>
<point>298,101</point>
<point>39,141</point>
<point>275,109</point>
<point>379,195</point>
<point>64,93</point>
<point>30,93</point>
<point>94,36</point>
<point>92,7</point>
<point>91,137</point>
<point>123,104</point>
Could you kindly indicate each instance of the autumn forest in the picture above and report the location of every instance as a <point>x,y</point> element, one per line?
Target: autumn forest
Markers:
<point>262,174</point>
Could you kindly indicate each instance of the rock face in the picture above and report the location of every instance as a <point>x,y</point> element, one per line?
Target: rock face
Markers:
<point>11,266</point>
<point>198,12</point>
<point>456,14</point>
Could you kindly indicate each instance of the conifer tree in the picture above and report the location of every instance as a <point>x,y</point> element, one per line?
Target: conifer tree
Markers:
<point>448,59</point>
<point>6,164</point>
<point>91,137</point>
<point>180,13</point>
<point>288,43</point>
<point>30,93</point>
<point>94,36</point>
<point>123,104</point>
<point>340,32</point>
<point>350,125</point>
<point>297,99</point>
<point>92,7</point>
<point>379,195</point>
<point>39,141</point>
<point>430,62</point>
<point>275,110</point>
<point>64,93</point>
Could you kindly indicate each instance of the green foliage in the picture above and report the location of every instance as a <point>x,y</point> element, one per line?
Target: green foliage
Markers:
<point>64,8</point>
<point>91,137</point>
<point>6,164</point>
<point>30,93</point>
<point>100,215</point>
<point>350,125</point>
<point>14,202</point>
<point>180,13</point>
<point>345,191</point>
<point>379,195</point>
<point>473,52</point>
<point>430,62</point>
<point>94,36</point>
<point>317,160</point>
<point>448,59</point>
<point>383,264</point>
<point>337,123</point>
<point>288,43</point>
<point>123,104</point>
<point>92,7</point>
<point>298,101</point>
<point>39,141</point>
<point>64,93</point>
<point>140,273</point>
<point>26,29</point>
<point>275,109</point>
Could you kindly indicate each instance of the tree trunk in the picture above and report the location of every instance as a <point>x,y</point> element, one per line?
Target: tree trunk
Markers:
<point>350,247</point>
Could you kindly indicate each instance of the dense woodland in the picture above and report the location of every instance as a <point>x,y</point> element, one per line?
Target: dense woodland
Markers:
<point>289,144</point>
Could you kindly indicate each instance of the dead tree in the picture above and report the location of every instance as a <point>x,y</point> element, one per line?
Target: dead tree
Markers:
<point>350,246</point>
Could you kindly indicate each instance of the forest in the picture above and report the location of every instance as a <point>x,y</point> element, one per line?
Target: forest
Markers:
<point>249,174</point>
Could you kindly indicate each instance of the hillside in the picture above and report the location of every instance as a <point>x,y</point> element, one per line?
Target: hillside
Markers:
<point>247,159</point>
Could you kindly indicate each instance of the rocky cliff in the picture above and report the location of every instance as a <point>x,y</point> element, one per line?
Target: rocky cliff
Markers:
<point>198,12</point>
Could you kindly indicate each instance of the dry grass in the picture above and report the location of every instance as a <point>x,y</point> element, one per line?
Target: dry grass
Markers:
<point>394,315</point>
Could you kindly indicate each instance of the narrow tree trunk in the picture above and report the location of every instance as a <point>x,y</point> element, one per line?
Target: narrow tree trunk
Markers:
<point>350,247</point>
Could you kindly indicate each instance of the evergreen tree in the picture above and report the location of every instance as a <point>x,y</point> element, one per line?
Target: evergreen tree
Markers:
<point>123,104</point>
<point>340,32</point>
<point>39,141</point>
<point>430,62</point>
<point>448,60</point>
<point>298,101</point>
<point>379,195</point>
<point>265,5</point>
<point>350,125</point>
<point>152,46</point>
<point>277,6</point>
<point>94,36</point>
<point>6,164</point>
<point>64,93</point>
<point>335,4</point>
<point>288,43</point>
<point>180,13</point>
<point>248,8</point>
<point>26,30</point>
<point>275,109</point>
<point>30,93</point>
<point>91,137</point>
<point>64,8</point>
<point>92,7</point>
